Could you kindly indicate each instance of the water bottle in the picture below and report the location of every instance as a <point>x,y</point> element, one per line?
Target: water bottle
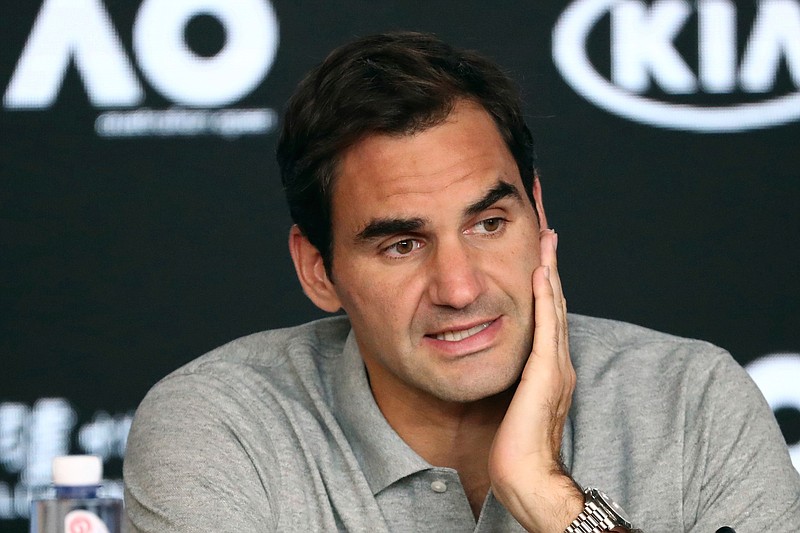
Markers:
<point>76,506</point>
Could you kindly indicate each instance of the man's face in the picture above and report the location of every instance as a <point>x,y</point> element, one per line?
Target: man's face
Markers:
<point>434,244</point>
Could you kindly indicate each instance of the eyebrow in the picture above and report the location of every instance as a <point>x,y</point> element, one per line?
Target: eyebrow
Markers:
<point>385,227</point>
<point>502,189</point>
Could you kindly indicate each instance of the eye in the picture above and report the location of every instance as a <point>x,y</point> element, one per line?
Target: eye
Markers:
<point>490,226</point>
<point>402,248</point>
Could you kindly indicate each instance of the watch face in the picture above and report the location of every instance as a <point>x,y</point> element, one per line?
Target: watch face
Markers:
<point>602,496</point>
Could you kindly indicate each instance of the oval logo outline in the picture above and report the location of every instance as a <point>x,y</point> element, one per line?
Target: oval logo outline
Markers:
<point>569,55</point>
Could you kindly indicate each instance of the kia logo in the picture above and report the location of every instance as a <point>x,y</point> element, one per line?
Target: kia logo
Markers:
<point>643,54</point>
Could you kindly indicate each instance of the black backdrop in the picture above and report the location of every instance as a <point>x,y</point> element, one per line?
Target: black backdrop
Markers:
<point>136,236</point>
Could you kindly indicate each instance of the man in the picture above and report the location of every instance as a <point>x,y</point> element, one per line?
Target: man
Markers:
<point>446,399</point>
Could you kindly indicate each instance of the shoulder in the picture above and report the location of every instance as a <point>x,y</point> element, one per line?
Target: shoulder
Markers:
<point>656,379</point>
<point>225,422</point>
<point>268,348</point>
<point>597,343</point>
<point>275,354</point>
<point>687,418</point>
<point>609,334</point>
<point>265,369</point>
<point>630,366</point>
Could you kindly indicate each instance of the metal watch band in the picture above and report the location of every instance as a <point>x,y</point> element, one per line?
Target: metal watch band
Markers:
<point>592,519</point>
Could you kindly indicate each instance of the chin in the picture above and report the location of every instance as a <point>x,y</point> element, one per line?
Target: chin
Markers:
<point>480,389</point>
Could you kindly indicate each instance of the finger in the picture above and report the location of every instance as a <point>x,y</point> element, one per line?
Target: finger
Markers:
<point>548,375</point>
<point>540,383</point>
<point>546,321</point>
<point>549,245</point>
<point>549,242</point>
<point>544,392</point>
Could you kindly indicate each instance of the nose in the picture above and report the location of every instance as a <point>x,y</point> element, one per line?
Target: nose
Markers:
<point>455,278</point>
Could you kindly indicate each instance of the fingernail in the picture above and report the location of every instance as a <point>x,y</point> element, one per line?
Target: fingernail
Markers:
<point>546,272</point>
<point>555,240</point>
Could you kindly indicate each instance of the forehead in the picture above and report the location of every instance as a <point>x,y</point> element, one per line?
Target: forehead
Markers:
<point>387,175</point>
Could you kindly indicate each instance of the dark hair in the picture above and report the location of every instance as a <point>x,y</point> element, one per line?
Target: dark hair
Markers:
<point>394,83</point>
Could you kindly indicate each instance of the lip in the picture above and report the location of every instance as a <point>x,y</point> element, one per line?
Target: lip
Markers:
<point>475,343</point>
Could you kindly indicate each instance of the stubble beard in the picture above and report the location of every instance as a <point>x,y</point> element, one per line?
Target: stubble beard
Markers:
<point>505,370</point>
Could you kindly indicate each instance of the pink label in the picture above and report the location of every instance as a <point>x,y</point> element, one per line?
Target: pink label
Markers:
<point>81,521</point>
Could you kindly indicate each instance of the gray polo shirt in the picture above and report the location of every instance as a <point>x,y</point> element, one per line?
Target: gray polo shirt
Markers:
<point>278,431</point>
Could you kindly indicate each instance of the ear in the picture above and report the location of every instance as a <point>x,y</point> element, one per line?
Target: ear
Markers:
<point>537,197</point>
<point>311,272</point>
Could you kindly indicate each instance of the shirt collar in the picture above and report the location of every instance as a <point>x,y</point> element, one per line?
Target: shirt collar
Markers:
<point>384,457</point>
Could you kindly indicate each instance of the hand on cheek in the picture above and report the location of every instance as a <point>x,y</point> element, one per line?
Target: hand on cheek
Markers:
<point>525,468</point>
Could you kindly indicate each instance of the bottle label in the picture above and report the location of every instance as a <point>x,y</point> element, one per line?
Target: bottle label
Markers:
<point>80,521</point>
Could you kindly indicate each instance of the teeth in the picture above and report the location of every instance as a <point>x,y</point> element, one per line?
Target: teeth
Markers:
<point>453,336</point>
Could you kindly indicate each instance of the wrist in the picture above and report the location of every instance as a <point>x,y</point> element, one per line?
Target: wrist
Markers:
<point>542,504</point>
<point>600,514</point>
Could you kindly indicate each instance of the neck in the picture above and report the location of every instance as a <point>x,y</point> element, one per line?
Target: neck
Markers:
<point>443,432</point>
<point>449,434</point>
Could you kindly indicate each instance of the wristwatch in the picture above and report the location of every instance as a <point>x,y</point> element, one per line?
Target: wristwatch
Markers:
<point>600,513</point>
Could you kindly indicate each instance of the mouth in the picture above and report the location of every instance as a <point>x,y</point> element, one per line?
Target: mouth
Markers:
<point>461,334</point>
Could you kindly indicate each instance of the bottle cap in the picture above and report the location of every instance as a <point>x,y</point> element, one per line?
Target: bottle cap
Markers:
<point>77,470</point>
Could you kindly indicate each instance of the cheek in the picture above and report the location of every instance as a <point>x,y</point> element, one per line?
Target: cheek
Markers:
<point>530,251</point>
<point>385,300</point>
<point>513,268</point>
<point>523,254</point>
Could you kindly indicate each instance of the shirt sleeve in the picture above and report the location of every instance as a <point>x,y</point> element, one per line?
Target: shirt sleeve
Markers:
<point>187,467</point>
<point>737,470</point>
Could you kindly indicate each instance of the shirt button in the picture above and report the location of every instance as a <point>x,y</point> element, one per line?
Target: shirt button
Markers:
<point>438,486</point>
